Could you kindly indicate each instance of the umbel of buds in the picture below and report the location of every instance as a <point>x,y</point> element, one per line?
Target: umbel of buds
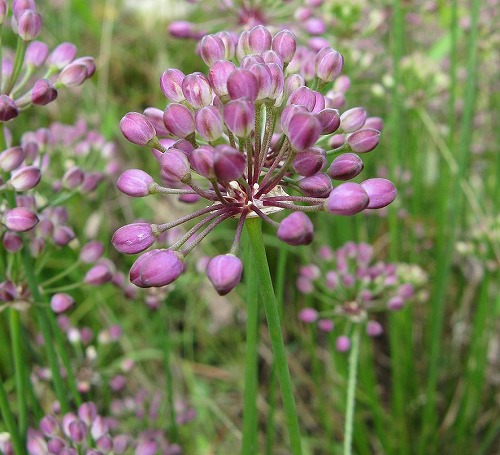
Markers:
<point>251,137</point>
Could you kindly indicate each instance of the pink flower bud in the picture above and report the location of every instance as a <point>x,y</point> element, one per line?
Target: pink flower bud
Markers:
<point>73,177</point>
<point>277,81</point>
<point>242,83</point>
<point>49,425</point>
<point>87,412</point>
<point>202,161</point>
<point>43,92</point>
<point>137,128</point>
<point>374,329</point>
<point>89,63</point>
<point>104,444</point>
<point>315,26</point>
<point>8,109</point>
<point>179,120</point>
<point>229,44</point>
<point>20,219</point>
<point>343,343</point>
<point>374,122</point>
<point>342,84</point>
<point>318,185</point>
<point>171,84</point>
<point>285,44</point>
<point>77,431</point>
<point>325,325</point>
<point>292,83</point>
<point>308,315</point>
<point>211,49</point>
<point>133,238</point>
<point>218,75</point>
<point>303,96</point>
<point>259,39</point>
<point>63,235</point>
<point>396,303</point>
<point>11,158</point>
<point>347,199</point>
<point>197,90</point>
<point>175,165</point>
<point>62,55</point>
<point>155,117</point>
<point>229,163</point>
<point>380,191</point>
<point>25,178</point>
<point>296,229</point>
<point>303,130</point>
<point>20,6</point>
<point>61,302</point>
<point>182,29</point>
<point>310,161</point>
<point>91,251</point>
<point>162,268</point>
<point>224,272</point>
<point>209,123</point>
<point>264,80</point>
<point>134,274</point>
<point>328,64</point>
<point>242,46</point>
<point>364,140</point>
<point>99,274</point>
<point>329,119</point>
<point>29,25</point>
<point>36,54</point>
<point>239,116</point>
<point>134,183</point>
<point>12,242</point>
<point>353,119</point>
<point>73,75</point>
<point>345,167</point>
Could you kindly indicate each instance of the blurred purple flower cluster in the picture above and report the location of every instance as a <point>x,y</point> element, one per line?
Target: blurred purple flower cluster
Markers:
<point>351,287</point>
<point>240,138</point>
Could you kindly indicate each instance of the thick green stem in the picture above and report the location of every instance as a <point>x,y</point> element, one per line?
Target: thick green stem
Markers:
<point>351,392</point>
<point>249,444</point>
<point>20,372</point>
<point>274,326</point>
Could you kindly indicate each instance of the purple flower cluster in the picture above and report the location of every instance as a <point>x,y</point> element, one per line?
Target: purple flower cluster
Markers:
<point>33,74</point>
<point>250,139</point>
<point>87,432</point>
<point>350,286</point>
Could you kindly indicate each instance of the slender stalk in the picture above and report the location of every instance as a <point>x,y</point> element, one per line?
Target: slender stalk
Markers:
<point>18,64</point>
<point>167,355</point>
<point>249,444</point>
<point>351,392</point>
<point>20,372</point>
<point>10,422</point>
<point>274,326</point>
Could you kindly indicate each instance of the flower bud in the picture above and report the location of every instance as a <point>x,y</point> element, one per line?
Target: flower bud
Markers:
<point>202,161</point>
<point>43,92</point>
<point>105,443</point>
<point>374,329</point>
<point>315,26</point>
<point>155,117</point>
<point>73,177</point>
<point>62,55</point>
<point>277,81</point>
<point>328,64</point>
<point>242,83</point>
<point>25,178</point>
<point>11,158</point>
<point>325,325</point>
<point>211,49</point>
<point>77,431</point>
<point>29,25</point>
<point>4,9</point>
<point>49,425</point>
<point>36,54</point>
<point>272,57</point>
<point>264,79</point>
<point>310,161</point>
<point>99,274</point>
<point>224,272</point>
<point>8,108</point>
<point>91,251</point>
<point>396,303</point>
<point>229,163</point>
<point>353,119</point>
<point>171,84</point>
<point>239,116</point>
<point>179,120</point>
<point>63,235</point>
<point>303,130</point>
<point>162,268</point>
<point>134,183</point>
<point>182,29</point>
<point>197,90</point>
<point>292,83</point>
<point>296,229</point>
<point>87,412</point>
<point>229,44</point>
<point>218,75</point>
<point>12,242</point>
<point>134,273</point>
<point>347,199</point>
<point>380,191</point>
<point>285,44</point>
<point>308,315</point>
<point>364,140</point>
<point>175,165</point>
<point>89,63</point>
<point>329,119</point>
<point>345,167</point>
<point>342,84</point>
<point>137,128</point>
<point>20,219</point>
<point>303,96</point>
<point>209,123</point>
<point>343,343</point>
<point>133,238</point>
<point>20,6</point>
<point>374,122</point>
<point>61,302</point>
<point>242,46</point>
<point>318,185</point>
